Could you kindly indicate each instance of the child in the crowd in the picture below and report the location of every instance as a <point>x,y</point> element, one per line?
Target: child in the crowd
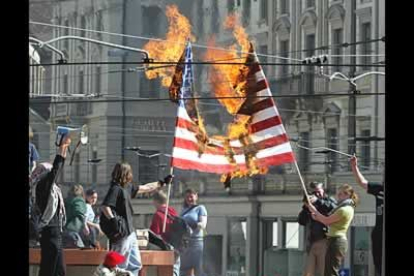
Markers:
<point>109,266</point>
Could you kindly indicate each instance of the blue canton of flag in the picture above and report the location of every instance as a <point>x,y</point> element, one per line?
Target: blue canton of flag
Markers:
<point>187,89</point>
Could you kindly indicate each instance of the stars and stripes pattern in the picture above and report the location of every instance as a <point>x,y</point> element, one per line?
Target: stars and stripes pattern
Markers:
<point>267,137</point>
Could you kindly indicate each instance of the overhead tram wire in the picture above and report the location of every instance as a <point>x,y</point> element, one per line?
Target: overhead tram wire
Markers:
<point>39,100</point>
<point>325,47</point>
<point>205,63</point>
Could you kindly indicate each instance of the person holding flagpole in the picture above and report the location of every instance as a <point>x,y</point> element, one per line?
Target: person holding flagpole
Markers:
<point>338,220</point>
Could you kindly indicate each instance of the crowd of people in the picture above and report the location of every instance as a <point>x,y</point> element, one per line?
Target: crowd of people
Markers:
<point>73,222</point>
<point>327,221</point>
<point>76,222</point>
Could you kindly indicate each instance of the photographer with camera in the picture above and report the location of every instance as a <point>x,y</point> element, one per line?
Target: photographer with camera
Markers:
<point>315,230</point>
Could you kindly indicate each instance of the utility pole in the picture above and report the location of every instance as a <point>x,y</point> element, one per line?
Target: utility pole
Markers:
<point>352,87</point>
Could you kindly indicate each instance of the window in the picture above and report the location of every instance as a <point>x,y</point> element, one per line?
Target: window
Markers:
<point>149,88</point>
<point>94,166</point>
<point>77,168</point>
<point>148,167</point>
<point>65,84</point>
<point>365,150</point>
<point>81,87</point>
<point>366,47</point>
<point>238,3</point>
<point>270,233</point>
<point>309,70</point>
<point>310,3</point>
<point>284,52</point>
<point>275,238</point>
<point>230,6</point>
<point>291,237</point>
<point>200,23</point>
<point>246,12</point>
<point>83,26</point>
<point>215,26</point>
<point>310,44</point>
<point>99,25</point>
<point>66,33</point>
<point>303,153</point>
<point>284,6</point>
<point>263,50</point>
<point>98,72</point>
<point>332,139</point>
<point>150,15</point>
<point>337,40</point>
<point>236,260</point>
<point>263,10</point>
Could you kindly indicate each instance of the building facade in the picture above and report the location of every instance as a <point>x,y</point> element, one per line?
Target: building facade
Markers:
<point>254,227</point>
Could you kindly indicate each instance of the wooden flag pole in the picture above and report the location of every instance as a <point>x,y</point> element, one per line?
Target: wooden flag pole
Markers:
<point>168,201</point>
<point>302,182</point>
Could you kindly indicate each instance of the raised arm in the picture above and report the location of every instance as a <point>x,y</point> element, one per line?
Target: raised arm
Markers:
<point>58,164</point>
<point>358,176</point>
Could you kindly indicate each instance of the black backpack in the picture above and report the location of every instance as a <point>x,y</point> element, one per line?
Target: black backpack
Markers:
<point>108,228</point>
<point>179,230</point>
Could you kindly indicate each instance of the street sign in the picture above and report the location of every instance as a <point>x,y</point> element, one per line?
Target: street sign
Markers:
<point>344,272</point>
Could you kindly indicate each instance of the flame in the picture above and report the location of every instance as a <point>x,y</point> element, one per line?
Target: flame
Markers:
<point>230,80</point>
<point>170,49</point>
<point>227,79</point>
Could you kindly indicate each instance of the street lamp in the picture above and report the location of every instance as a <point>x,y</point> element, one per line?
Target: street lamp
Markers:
<point>108,44</point>
<point>54,49</point>
<point>92,162</point>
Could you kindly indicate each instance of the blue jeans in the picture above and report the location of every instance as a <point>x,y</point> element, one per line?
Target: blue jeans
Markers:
<point>176,267</point>
<point>129,248</point>
<point>192,258</point>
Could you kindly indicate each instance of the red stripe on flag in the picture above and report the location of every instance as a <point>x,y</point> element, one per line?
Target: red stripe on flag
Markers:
<point>202,167</point>
<point>249,108</point>
<point>268,123</point>
<point>255,87</point>
<point>274,160</point>
<point>217,150</point>
<point>254,68</point>
<point>183,123</point>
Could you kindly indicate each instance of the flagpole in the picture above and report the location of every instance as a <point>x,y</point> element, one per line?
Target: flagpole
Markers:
<point>168,200</point>
<point>325,148</point>
<point>164,225</point>
<point>301,181</point>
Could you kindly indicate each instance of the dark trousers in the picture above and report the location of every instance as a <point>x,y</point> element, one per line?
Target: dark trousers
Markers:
<point>376,238</point>
<point>335,254</point>
<point>90,240</point>
<point>52,262</point>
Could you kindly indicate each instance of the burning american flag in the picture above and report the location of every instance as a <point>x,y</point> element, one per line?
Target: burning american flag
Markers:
<point>256,139</point>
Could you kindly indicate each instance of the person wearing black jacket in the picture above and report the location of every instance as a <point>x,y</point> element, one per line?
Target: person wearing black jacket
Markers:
<point>49,202</point>
<point>117,221</point>
<point>316,231</point>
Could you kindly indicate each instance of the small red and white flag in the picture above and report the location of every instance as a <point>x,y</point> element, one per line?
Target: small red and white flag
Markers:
<point>266,142</point>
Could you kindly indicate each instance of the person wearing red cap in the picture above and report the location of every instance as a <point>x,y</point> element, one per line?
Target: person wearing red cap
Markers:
<point>109,266</point>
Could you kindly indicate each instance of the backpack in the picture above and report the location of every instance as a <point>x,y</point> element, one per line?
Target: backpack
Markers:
<point>107,227</point>
<point>179,230</point>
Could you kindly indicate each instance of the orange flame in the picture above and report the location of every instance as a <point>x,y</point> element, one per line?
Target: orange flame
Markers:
<point>170,49</point>
<point>230,80</point>
<point>225,78</point>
